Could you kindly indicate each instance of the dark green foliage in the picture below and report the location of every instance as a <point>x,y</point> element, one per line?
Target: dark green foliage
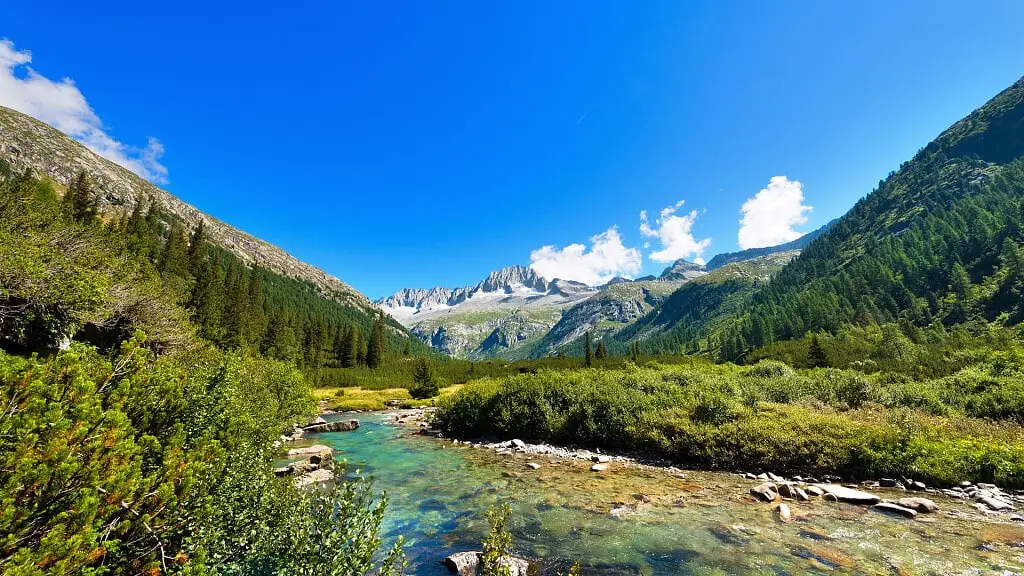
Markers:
<point>80,201</point>
<point>174,261</point>
<point>816,356</point>
<point>588,351</point>
<point>602,351</point>
<point>424,383</point>
<point>377,346</point>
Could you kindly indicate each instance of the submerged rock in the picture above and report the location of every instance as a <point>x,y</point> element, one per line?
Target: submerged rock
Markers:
<point>849,495</point>
<point>918,504</point>
<point>892,508</point>
<point>766,492</point>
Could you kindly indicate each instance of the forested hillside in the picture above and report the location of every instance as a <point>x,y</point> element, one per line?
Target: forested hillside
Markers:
<point>938,241</point>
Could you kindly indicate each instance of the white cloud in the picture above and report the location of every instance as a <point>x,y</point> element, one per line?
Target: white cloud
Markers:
<point>607,258</point>
<point>770,215</point>
<point>676,235</point>
<point>63,106</point>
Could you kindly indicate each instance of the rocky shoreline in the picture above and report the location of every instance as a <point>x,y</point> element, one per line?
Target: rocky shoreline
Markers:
<point>909,497</point>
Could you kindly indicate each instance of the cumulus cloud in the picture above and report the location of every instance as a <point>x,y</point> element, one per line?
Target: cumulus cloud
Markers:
<point>770,215</point>
<point>606,258</point>
<point>62,105</point>
<point>675,233</point>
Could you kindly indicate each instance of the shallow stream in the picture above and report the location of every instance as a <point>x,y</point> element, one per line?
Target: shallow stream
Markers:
<point>636,520</point>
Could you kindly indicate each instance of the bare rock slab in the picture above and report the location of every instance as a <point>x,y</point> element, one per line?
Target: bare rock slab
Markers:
<point>850,495</point>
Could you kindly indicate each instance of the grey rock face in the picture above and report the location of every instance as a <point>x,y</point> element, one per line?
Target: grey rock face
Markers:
<point>683,270</point>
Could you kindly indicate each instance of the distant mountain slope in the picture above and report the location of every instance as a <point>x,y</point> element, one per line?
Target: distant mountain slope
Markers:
<point>751,253</point>
<point>510,308</point>
<point>700,305</point>
<point>938,240</point>
<point>27,143</point>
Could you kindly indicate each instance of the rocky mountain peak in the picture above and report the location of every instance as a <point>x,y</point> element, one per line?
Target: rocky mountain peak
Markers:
<point>510,277</point>
<point>683,270</point>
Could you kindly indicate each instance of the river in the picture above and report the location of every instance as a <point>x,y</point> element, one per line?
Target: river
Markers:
<point>704,523</point>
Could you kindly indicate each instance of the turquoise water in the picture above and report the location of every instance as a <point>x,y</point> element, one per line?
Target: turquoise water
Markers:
<point>701,524</point>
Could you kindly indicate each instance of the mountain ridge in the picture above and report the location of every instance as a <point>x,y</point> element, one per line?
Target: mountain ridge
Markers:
<point>28,143</point>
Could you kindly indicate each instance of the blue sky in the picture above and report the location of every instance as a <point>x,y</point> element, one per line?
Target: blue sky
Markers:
<point>422,143</point>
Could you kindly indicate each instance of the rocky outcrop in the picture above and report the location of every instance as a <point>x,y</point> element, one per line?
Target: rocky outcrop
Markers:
<point>339,426</point>
<point>683,270</point>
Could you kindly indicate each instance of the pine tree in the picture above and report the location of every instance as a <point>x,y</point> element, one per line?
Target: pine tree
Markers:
<point>80,202</point>
<point>588,352</point>
<point>235,306</point>
<point>197,253</point>
<point>816,357</point>
<point>602,351</point>
<point>375,349</point>
<point>346,349</point>
<point>255,318</point>
<point>174,259</point>
<point>361,348</point>
<point>137,232</point>
<point>208,301</point>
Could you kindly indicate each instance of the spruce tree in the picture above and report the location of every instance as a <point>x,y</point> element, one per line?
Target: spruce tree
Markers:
<point>375,349</point>
<point>197,253</point>
<point>255,319</point>
<point>347,350</point>
<point>80,202</point>
<point>137,231</point>
<point>588,352</point>
<point>174,259</point>
<point>816,357</point>
<point>208,301</point>
<point>360,347</point>
<point>602,351</point>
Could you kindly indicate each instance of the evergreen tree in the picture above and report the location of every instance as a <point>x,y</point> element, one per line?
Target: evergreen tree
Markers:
<point>360,346</point>
<point>602,351</point>
<point>80,202</point>
<point>174,259</point>
<point>347,348</point>
<point>376,347</point>
<point>816,357</point>
<point>208,301</point>
<point>255,318</point>
<point>588,352</point>
<point>197,253</point>
<point>137,232</point>
<point>424,382</point>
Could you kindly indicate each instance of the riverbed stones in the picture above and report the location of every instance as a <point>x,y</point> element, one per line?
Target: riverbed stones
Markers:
<point>895,509</point>
<point>600,458</point>
<point>469,564</point>
<point>339,426</point>
<point>766,492</point>
<point>994,503</point>
<point>850,495</point>
<point>517,444</point>
<point>815,491</point>
<point>919,504</point>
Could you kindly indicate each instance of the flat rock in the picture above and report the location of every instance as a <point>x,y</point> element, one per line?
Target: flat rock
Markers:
<point>598,467</point>
<point>316,449</point>
<point>766,492</point>
<point>533,466</point>
<point>815,491</point>
<point>517,443</point>
<point>919,504</point>
<point>994,503</point>
<point>849,495</point>
<point>600,458</point>
<point>891,508</point>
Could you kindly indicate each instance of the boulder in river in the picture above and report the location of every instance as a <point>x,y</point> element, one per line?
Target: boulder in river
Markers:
<point>766,492</point>
<point>918,504</point>
<point>469,564</point>
<point>892,508</point>
<point>339,426</point>
<point>314,477</point>
<point>784,513</point>
<point>849,495</point>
